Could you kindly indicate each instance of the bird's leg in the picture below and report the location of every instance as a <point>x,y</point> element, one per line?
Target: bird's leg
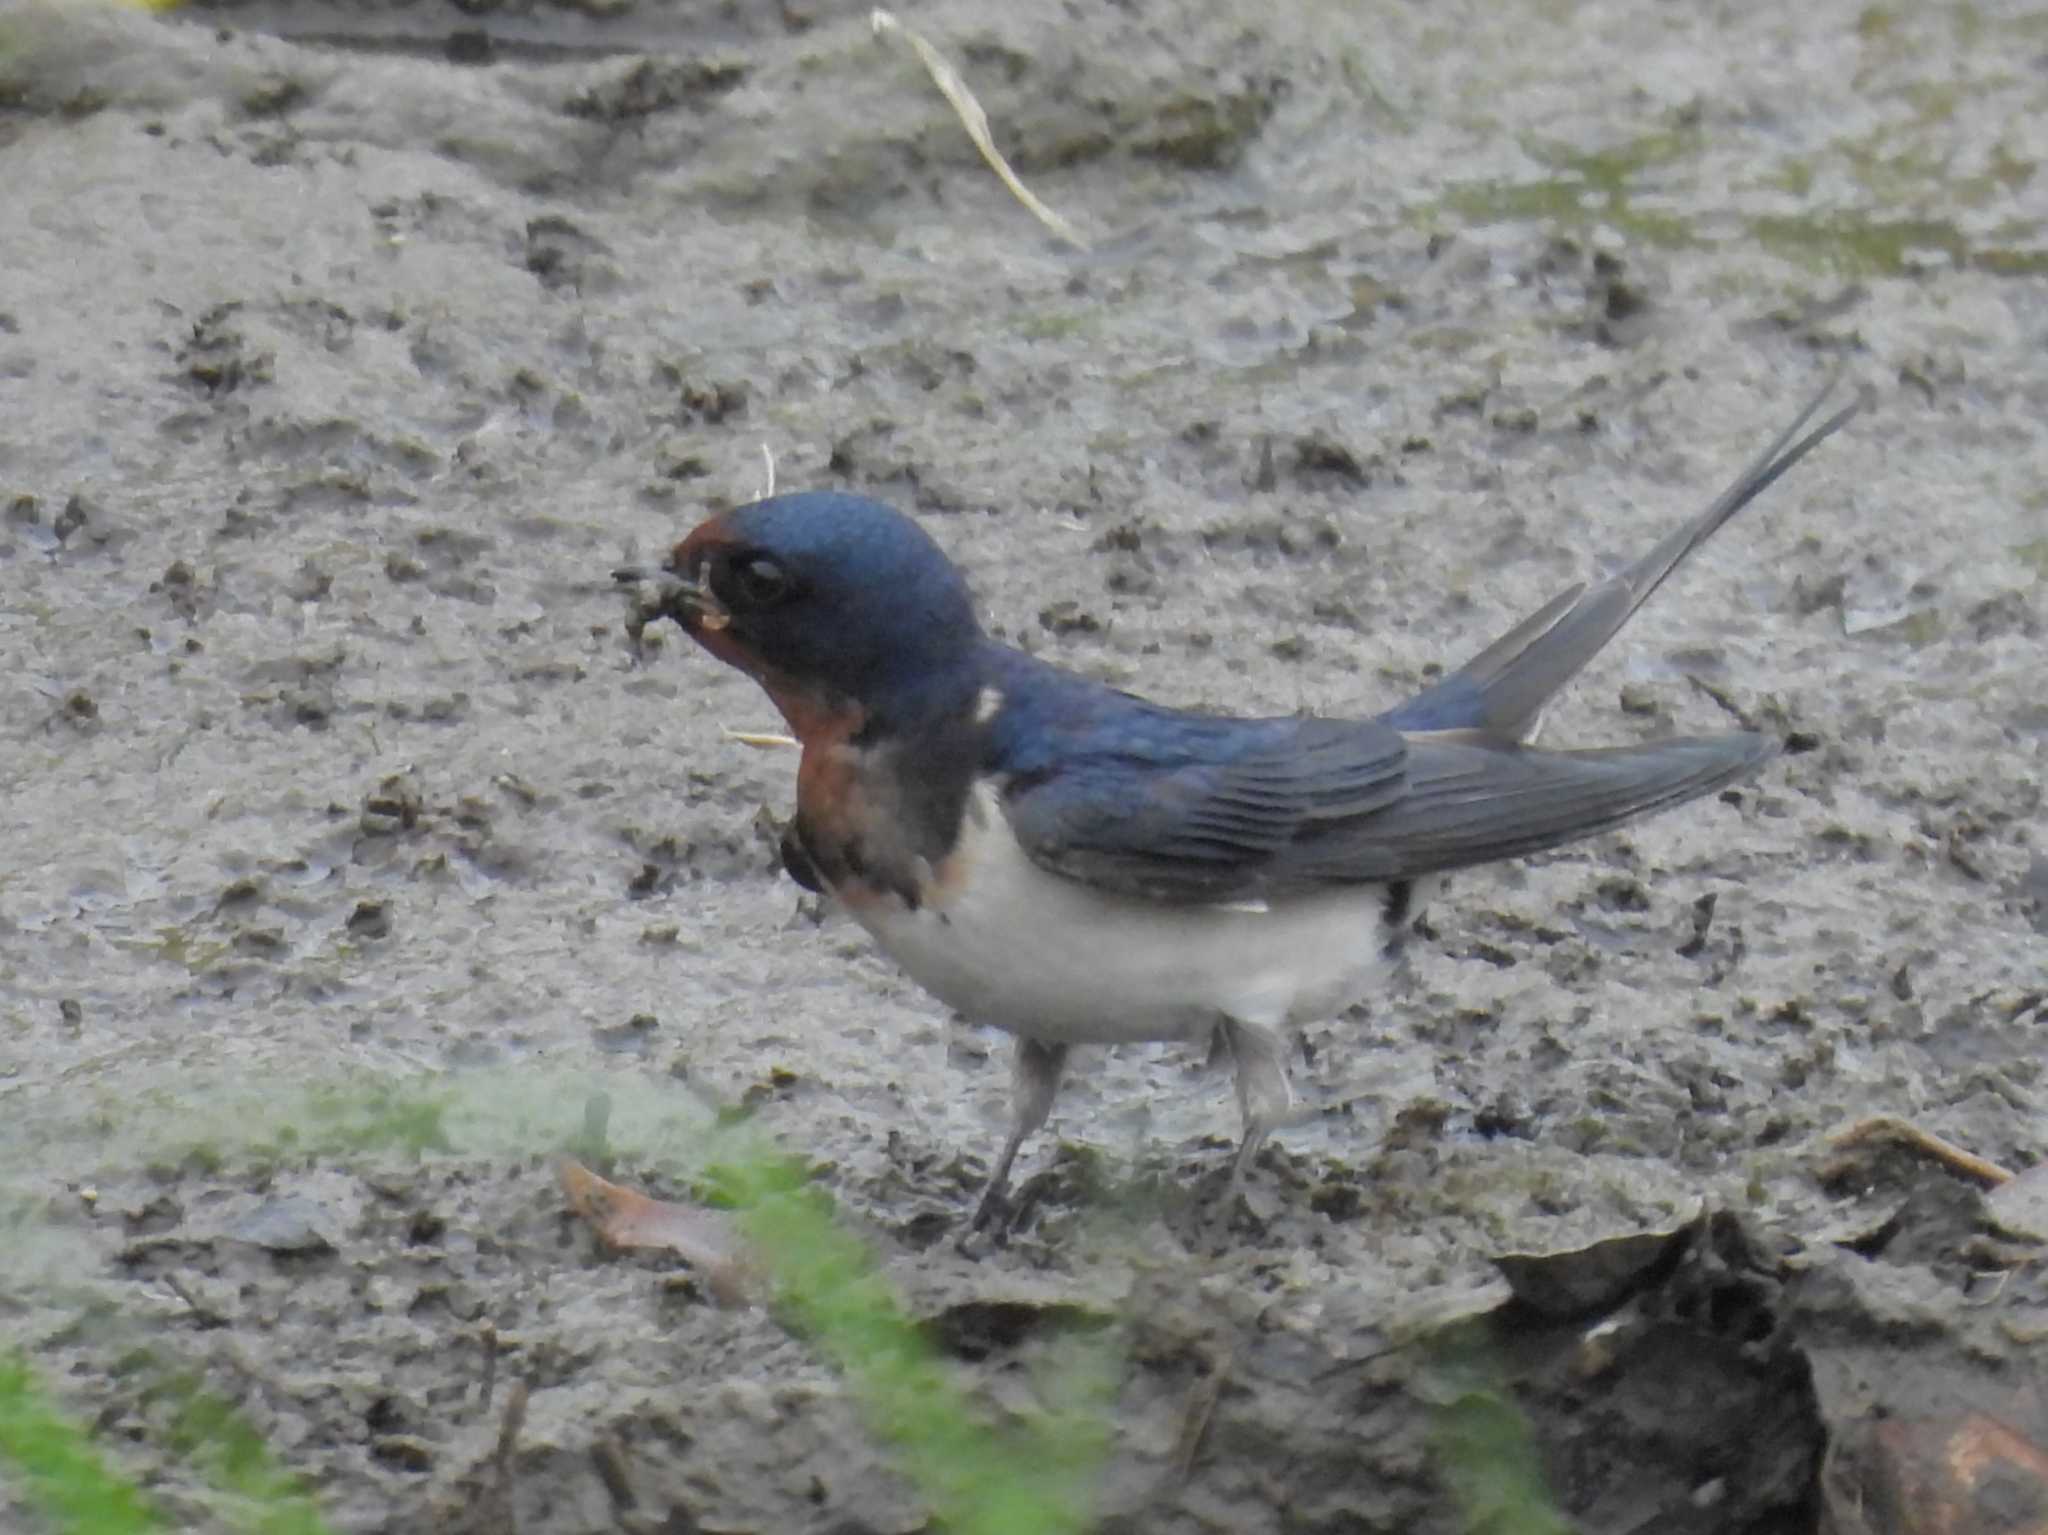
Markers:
<point>1265,1098</point>
<point>1034,1083</point>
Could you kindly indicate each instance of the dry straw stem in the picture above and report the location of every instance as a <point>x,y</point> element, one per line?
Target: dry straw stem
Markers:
<point>975,121</point>
<point>760,740</point>
<point>1903,1132</point>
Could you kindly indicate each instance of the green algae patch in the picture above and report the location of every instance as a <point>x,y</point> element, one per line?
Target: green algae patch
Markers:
<point>1858,245</point>
<point>1590,187</point>
<point>2005,261</point>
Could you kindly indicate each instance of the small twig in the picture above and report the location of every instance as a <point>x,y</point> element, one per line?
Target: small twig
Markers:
<point>609,1461</point>
<point>768,464</point>
<point>1196,1417</point>
<point>501,1456</point>
<point>1725,699</point>
<point>975,121</point>
<point>1903,1132</point>
<point>490,1342</point>
<point>203,1314</point>
<point>508,1430</point>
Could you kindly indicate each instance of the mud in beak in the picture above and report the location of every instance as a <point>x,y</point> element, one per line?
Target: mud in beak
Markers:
<point>659,593</point>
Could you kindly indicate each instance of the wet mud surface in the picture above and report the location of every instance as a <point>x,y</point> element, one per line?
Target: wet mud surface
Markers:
<point>353,853</point>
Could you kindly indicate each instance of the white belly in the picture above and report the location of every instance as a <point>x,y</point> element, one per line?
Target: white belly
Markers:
<point>1030,952</point>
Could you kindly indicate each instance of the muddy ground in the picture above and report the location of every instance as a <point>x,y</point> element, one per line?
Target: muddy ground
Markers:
<point>351,854</point>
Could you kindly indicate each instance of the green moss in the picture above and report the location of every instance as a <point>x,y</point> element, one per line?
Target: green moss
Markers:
<point>1612,170</point>
<point>2008,169</point>
<point>2034,556</point>
<point>1888,174</point>
<point>1856,244</point>
<point>1935,101</point>
<point>2004,261</point>
<point>1794,177</point>
<point>401,1117</point>
<point>1058,324</point>
<point>1592,188</point>
<point>1905,168</point>
<point>1495,202</point>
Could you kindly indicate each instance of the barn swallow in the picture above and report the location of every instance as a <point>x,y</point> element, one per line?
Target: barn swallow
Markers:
<point>1073,864</point>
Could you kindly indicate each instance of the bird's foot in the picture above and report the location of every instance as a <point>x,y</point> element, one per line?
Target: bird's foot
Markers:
<point>990,1226</point>
<point>1002,1213</point>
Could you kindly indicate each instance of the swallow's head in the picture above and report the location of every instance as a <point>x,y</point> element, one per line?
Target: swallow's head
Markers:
<point>830,601</point>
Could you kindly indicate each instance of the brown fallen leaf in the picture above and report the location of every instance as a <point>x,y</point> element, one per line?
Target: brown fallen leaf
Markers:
<point>704,1239</point>
<point>1973,1475</point>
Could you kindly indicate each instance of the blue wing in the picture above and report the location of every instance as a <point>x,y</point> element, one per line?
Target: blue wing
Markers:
<point>1150,802</point>
<point>1119,793</point>
<point>1126,795</point>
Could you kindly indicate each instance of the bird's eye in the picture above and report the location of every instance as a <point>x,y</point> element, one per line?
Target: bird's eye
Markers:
<point>758,582</point>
